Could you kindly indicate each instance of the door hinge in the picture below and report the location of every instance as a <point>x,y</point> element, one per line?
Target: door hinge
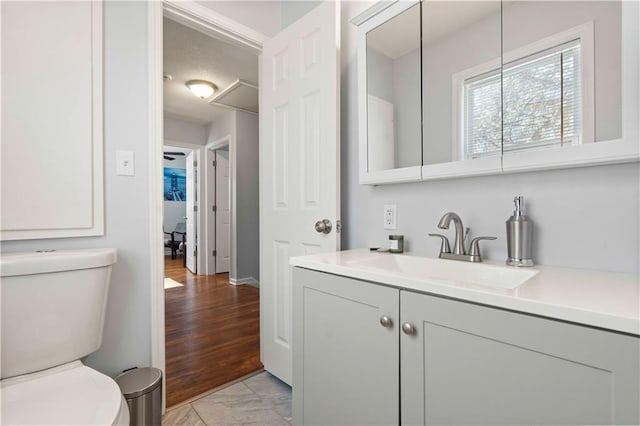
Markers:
<point>338,226</point>
<point>195,164</point>
<point>214,253</point>
<point>213,163</point>
<point>214,208</point>
<point>195,208</point>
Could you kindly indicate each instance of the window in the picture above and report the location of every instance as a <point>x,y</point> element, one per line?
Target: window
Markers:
<point>542,100</point>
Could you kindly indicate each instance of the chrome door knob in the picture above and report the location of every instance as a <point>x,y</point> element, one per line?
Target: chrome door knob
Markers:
<point>386,321</point>
<point>408,329</point>
<point>323,226</point>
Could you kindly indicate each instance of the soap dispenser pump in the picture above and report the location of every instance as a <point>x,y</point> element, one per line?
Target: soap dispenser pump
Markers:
<point>519,236</point>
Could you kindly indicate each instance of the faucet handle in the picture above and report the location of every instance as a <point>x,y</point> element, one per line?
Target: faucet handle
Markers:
<point>444,247</point>
<point>475,248</point>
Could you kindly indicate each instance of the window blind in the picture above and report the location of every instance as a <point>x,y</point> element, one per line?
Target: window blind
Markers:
<point>542,103</point>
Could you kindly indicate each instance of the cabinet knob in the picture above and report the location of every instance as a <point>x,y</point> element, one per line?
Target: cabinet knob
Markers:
<point>408,329</point>
<point>386,321</point>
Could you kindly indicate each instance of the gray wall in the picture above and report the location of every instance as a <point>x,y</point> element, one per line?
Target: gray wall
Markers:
<point>247,195</point>
<point>292,10</point>
<point>585,218</point>
<point>476,44</point>
<point>525,22</point>
<point>396,81</point>
<point>244,190</point>
<point>126,340</point>
<point>223,126</point>
<point>379,75</point>
<point>182,131</point>
<point>406,81</point>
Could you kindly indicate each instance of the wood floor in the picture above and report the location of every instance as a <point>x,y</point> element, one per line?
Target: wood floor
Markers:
<point>212,332</point>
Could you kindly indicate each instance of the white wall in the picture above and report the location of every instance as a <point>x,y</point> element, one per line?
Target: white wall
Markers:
<point>182,131</point>
<point>126,341</point>
<point>262,16</point>
<point>585,218</point>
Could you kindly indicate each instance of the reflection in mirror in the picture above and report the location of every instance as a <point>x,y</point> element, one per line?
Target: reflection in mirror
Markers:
<point>461,80</point>
<point>393,97</point>
<point>562,73</point>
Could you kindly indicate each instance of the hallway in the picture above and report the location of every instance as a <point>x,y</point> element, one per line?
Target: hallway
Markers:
<point>212,332</point>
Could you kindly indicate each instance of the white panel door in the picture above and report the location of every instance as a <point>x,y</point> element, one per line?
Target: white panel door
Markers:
<point>299,167</point>
<point>190,250</point>
<point>223,213</point>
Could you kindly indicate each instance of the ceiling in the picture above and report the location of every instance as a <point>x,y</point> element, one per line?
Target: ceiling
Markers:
<point>192,55</point>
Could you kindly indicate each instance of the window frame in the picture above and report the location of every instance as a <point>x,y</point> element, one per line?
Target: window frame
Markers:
<point>584,33</point>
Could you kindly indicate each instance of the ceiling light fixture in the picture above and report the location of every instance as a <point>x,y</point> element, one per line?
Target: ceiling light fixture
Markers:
<point>201,88</point>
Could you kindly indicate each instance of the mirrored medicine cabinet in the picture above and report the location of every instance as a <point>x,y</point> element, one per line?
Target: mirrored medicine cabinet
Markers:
<point>466,88</point>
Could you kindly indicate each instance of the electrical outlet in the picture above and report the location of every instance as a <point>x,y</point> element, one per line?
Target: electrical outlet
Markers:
<point>390,216</point>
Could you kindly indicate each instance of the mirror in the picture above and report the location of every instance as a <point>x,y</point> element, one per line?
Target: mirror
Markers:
<point>461,80</point>
<point>505,87</point>
<point>562,73</point>
<point>393,103</point>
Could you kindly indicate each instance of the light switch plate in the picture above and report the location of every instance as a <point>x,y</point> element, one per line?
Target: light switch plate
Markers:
<point>125,163</point>
<point>390,216</point>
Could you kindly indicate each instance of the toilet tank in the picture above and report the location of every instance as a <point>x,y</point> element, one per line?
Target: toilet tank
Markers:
<point>53,307</point>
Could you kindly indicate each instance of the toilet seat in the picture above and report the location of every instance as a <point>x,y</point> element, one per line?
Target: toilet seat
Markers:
<point>71,394</point>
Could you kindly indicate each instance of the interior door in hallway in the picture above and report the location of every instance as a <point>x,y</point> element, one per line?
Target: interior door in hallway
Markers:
<point>223,212</point>
<point>190,250</point>
<point>299,167</point>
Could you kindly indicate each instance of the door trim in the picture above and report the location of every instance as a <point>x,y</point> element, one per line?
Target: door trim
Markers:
<point>215,25</point>
<point>227,140</point>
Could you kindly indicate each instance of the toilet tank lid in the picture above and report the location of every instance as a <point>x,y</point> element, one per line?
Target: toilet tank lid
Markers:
<point>42,262</point>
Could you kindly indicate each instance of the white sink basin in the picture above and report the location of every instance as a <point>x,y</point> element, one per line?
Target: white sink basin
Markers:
<point>447,271</point>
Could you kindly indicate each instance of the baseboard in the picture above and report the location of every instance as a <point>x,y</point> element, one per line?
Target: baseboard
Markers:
<point>242,281</point>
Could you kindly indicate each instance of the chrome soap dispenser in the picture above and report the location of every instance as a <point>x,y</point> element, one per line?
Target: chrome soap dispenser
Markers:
<point>519,236</point>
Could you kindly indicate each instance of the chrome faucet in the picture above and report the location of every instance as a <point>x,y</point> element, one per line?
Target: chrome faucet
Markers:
<point>458,245</point>
<point>459,252</point>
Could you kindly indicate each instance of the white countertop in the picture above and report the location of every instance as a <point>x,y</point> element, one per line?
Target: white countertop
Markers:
<point>601,299</point>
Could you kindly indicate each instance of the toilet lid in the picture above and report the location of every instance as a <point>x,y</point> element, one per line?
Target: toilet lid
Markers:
<point>69,396</point>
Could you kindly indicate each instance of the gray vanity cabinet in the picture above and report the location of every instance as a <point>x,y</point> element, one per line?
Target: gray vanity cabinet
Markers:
<point>471,364</point>
<point>459,363</point>
<point>345,363</point>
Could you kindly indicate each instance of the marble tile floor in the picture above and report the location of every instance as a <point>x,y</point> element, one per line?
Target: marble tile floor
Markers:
<point>258,400</point>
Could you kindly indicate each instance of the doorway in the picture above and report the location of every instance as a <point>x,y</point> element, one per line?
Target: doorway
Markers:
<point>181,188</point>
<point>211,323</point>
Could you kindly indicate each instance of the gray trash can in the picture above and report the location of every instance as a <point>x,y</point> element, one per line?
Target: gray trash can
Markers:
<point>142,388</point>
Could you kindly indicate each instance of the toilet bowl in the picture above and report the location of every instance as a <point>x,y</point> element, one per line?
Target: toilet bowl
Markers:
<point>53,309</point>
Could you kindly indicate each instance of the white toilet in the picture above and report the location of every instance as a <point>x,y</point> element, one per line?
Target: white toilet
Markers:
<point>53,309</point>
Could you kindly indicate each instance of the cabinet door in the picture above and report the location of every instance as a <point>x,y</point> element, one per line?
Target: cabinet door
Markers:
<point>472,364</point>
<point>345,363</point>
